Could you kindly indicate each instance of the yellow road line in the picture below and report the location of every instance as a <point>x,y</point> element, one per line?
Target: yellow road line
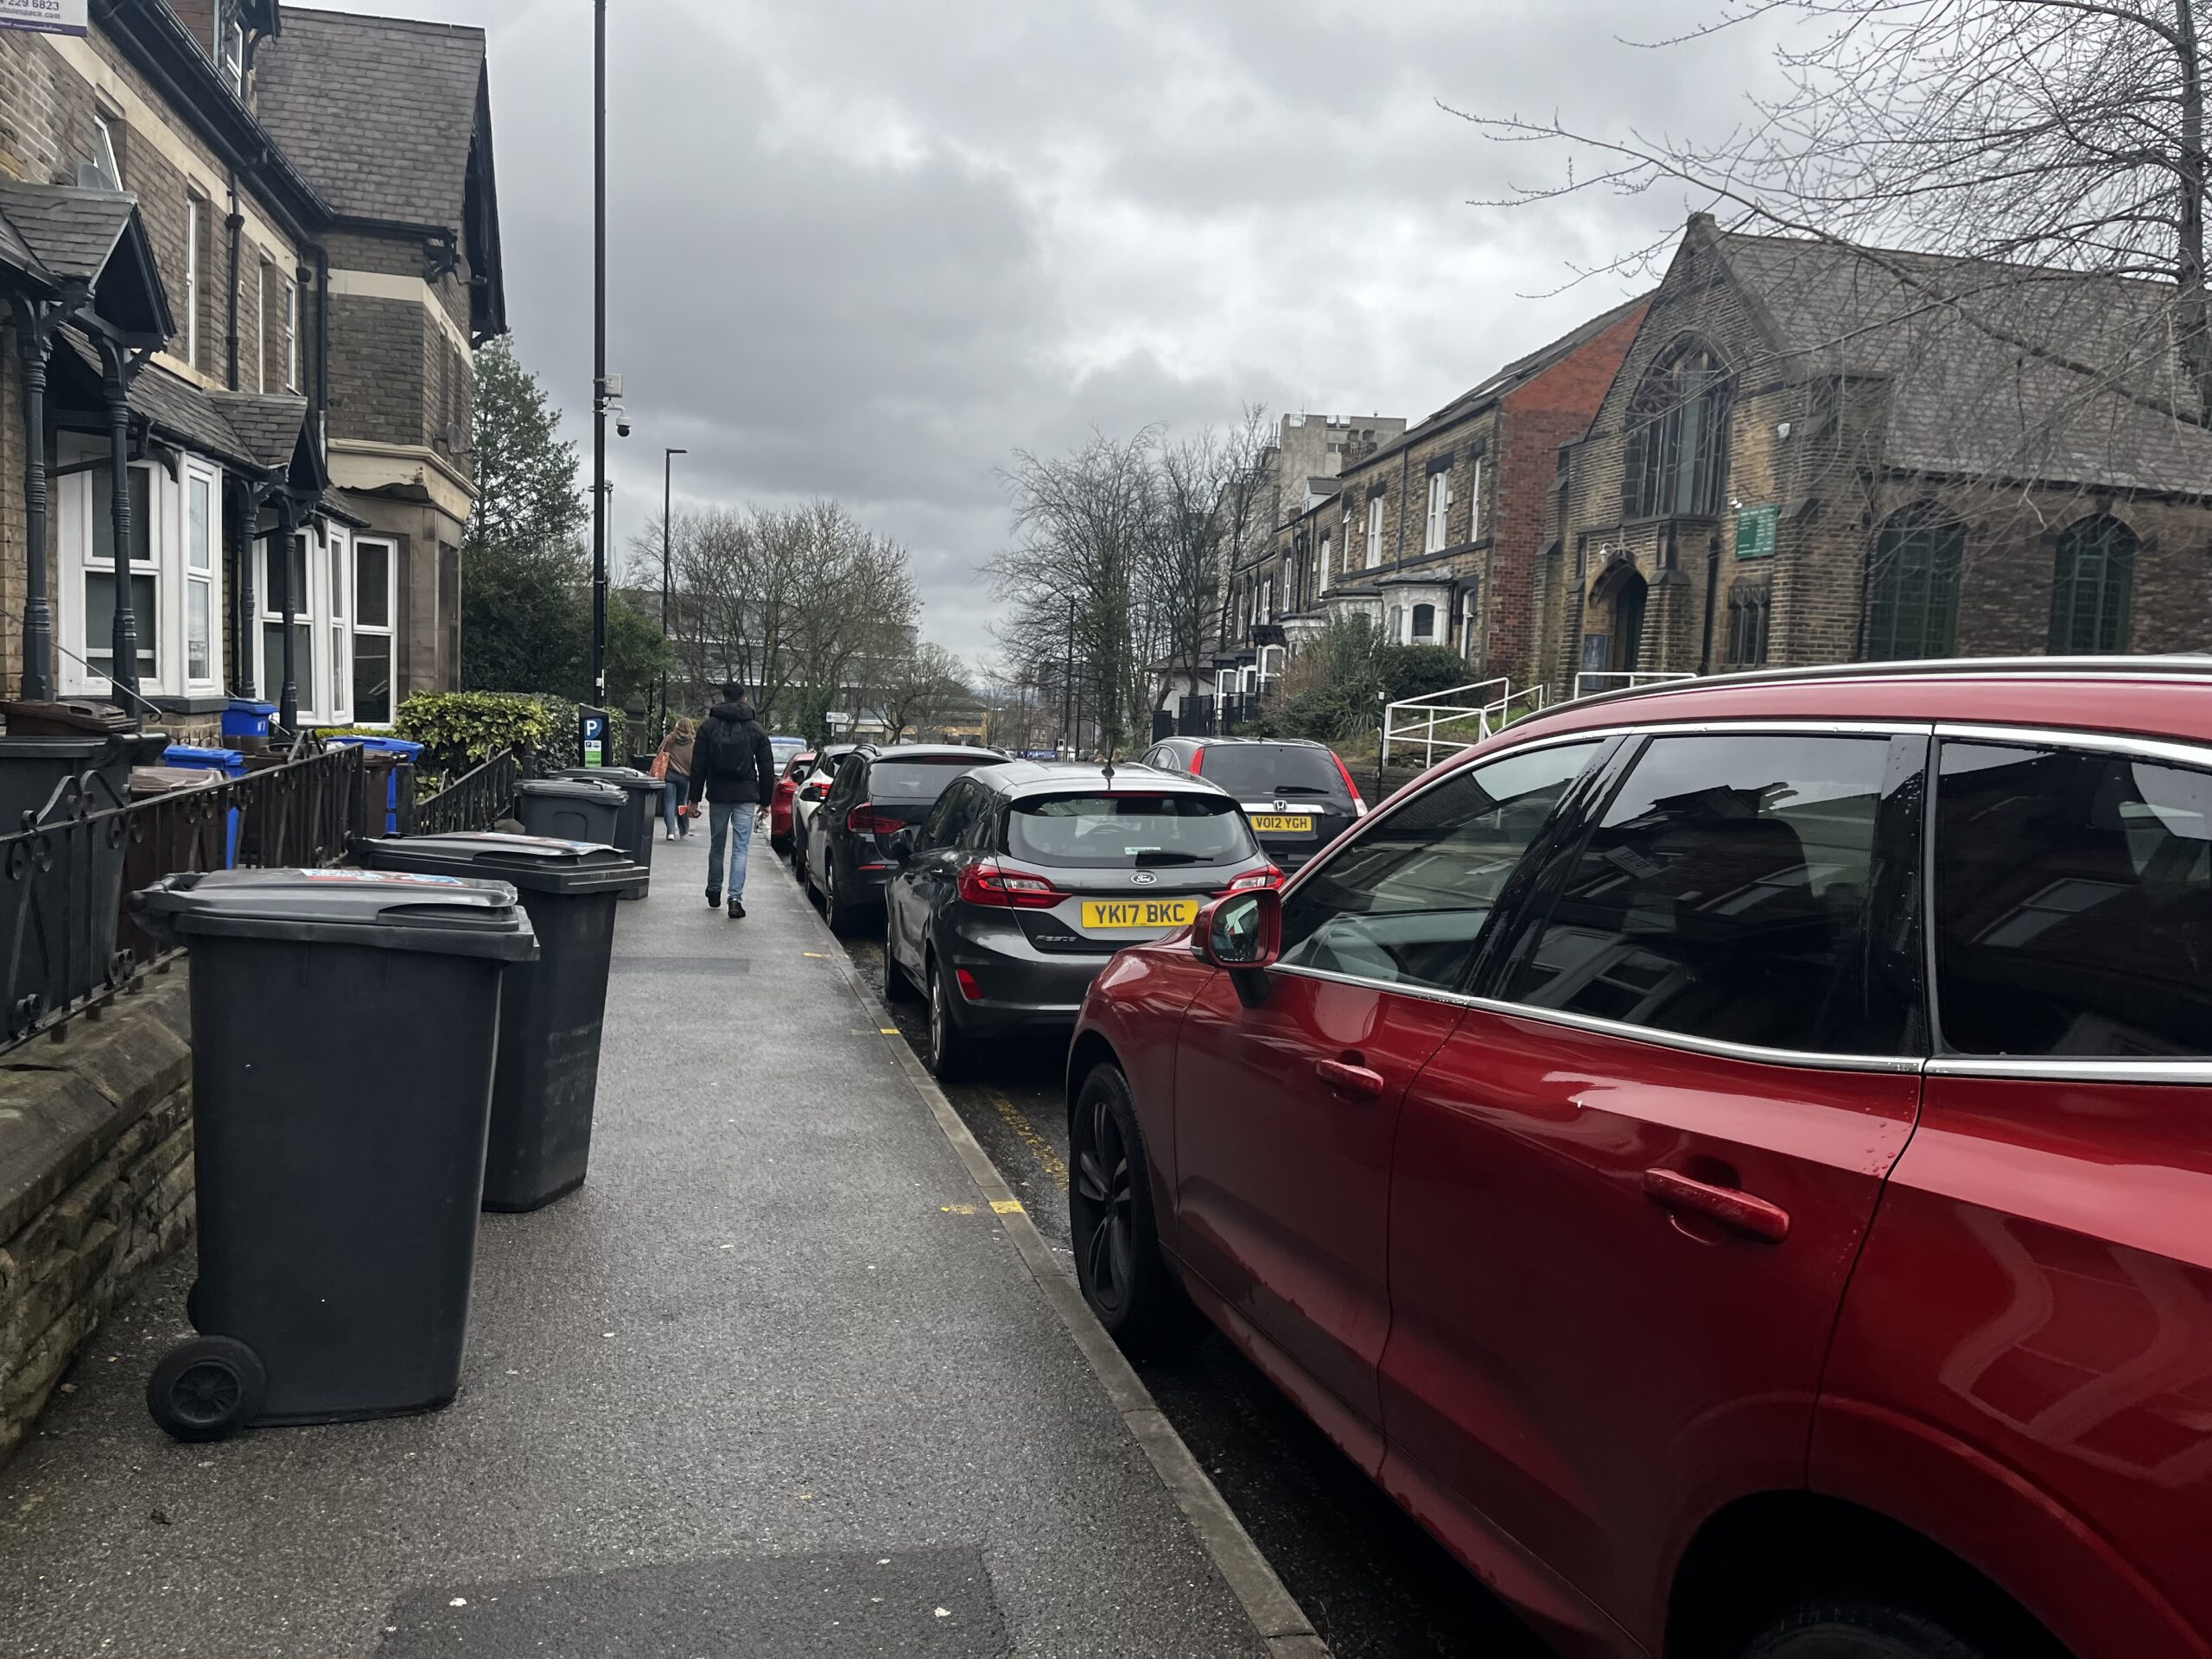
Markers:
<point>1037,1143</point>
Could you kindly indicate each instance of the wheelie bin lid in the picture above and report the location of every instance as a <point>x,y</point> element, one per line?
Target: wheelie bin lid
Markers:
<point>532,863</point>
<point>439,915</point>
<point>621,776</point>
<point>570,789</point>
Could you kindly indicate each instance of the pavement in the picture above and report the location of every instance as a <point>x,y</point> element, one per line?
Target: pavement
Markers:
<point>777,1380</point>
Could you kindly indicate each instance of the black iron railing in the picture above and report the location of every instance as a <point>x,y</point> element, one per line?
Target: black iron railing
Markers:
<point>66,935</point>
<point>476,800</point>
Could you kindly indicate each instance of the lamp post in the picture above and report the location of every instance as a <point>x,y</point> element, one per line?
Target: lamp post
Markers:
<point>667,500</point>
<point>600,395</point>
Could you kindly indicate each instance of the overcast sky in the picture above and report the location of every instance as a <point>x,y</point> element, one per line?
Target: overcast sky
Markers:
<point>868,248</point>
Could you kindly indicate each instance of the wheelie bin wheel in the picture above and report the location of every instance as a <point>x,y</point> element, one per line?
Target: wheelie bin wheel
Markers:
<point>207,1389</point>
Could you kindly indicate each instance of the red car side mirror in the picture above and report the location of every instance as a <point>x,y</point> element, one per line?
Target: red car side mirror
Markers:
<point>1241,931</point>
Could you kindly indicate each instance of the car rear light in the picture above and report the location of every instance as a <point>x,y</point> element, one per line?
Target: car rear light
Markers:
<point>1358,805</point>
<point>1269,877</point>
<point>1198,761</point>
<point>987,884</point>
<point>865,820</point>
<point>969,987</point>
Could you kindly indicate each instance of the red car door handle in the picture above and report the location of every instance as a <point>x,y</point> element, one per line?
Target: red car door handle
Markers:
<point>1350,1079</point>
<point>1736,1210</point>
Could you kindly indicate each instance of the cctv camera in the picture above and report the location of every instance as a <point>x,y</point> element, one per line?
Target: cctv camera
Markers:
<point>622,427</point>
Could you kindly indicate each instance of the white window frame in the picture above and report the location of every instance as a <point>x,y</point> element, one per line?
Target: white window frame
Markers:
<point>202,582</point>
<point>233,63</point>
<point>387,631</point>
<point>1266,611</point>
<point>261,327</point>
<point>326,693</point>
<point>1413,635</point>
<point>1328,558</point>
<point>1439,511</point>
<point>1374,533</point>
<point>1475,503</point>
<point>291,333</point>
<point>81,502</point>
<point>1470,604</point>
<point>193,206</point>
<point>104,156</point>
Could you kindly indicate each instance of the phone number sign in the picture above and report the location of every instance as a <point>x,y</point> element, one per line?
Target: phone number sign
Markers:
<point>49,17</point>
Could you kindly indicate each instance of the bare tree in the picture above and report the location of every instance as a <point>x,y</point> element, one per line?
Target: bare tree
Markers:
<point>919,687</point>
<point>790,604</point>
<point>1209,488</point>
<point>2045,136</point>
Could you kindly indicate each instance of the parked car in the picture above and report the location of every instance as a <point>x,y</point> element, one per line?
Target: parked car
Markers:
<point>807,798</point>
<point>1731,1158</point>
<point>1009,898</point>
<point>780,804</point>
<point>785,748</point>
<point>1298,794</point>
<point>878,792</point>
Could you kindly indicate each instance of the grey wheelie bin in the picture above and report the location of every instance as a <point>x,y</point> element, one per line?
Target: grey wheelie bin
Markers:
<point>642,794</point>
<point>338,1197</point>
<point>550,1010</point>
<point>570,808</point>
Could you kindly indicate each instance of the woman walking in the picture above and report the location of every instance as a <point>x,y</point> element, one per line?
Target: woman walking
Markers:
<point>676,771</point>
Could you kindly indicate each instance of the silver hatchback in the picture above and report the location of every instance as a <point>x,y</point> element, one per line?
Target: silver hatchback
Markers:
<point>1024,880</point>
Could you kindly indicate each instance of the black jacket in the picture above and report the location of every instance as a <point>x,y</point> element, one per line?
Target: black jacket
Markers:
<point>732,761</point>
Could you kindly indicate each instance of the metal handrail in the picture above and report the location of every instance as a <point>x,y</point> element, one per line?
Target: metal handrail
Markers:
<point>476,800</point>
<point>1488,715</point>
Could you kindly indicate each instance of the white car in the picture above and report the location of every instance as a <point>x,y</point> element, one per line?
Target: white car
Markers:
<point>811,789</point>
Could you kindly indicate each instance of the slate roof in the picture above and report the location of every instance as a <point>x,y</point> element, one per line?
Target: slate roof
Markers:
<point>174,405</point>
<point>377,112</point>
<point>69,229</point>
<point>269,425</point>
<point>1999,370</point>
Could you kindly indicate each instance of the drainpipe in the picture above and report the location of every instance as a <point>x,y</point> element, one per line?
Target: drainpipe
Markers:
<point>236,225</point>
<point>283,552</point>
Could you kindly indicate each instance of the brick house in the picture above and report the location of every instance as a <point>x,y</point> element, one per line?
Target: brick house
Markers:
<point>1813,454</point>
<point>181,285</point>
<point>1436,535</point>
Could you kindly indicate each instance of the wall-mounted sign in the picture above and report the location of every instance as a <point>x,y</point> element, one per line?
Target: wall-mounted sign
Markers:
<point>1755,530</point>
<point>49,17</point>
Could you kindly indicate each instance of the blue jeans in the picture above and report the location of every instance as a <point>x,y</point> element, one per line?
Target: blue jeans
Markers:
<point>673,794</point>
<point>730,821</point>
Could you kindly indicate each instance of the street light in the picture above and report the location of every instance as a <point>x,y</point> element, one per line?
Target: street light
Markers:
<point>667,500</point>
<point>602,393</point>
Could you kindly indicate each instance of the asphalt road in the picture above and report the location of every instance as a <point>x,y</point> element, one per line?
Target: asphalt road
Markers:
<point>1376,1585</point>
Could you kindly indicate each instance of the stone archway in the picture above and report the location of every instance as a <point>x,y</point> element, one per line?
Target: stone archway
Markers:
<point>1618,604</point>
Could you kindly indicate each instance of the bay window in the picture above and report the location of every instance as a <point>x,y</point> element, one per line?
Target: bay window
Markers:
<point>171,568</point>
<point>317,563</point>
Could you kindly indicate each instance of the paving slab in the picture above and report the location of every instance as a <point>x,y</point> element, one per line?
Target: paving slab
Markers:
<point>772,1359</point>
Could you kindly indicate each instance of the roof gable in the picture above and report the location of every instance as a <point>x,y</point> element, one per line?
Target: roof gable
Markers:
<point>96,237</point>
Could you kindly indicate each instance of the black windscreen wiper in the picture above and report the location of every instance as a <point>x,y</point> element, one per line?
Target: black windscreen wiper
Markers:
<point>1304,789</point>
<point>1162,856</point>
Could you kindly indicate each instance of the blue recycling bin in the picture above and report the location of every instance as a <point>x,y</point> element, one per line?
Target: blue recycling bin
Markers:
<point>231,764</point>
<point>402,753</point>
<point>246,718</point>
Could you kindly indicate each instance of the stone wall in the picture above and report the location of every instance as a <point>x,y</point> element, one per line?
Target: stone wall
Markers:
<point>95,1180</point>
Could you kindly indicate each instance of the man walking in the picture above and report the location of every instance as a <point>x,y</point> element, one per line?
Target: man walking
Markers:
<point>733,768</point>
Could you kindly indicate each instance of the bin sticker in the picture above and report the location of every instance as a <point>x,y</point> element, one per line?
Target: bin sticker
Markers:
<point>380,877</point>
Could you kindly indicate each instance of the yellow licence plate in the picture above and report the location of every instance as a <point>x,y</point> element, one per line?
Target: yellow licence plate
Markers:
<point>1135,915</point>
<point>1282,823</point>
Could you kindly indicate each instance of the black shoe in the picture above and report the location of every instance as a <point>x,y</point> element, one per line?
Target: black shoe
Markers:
<point>714,898</point>
<point>737,909</point>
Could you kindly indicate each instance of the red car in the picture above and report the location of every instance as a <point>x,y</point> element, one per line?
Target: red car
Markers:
<point>779,806</point>
<point>1732,1159</point>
